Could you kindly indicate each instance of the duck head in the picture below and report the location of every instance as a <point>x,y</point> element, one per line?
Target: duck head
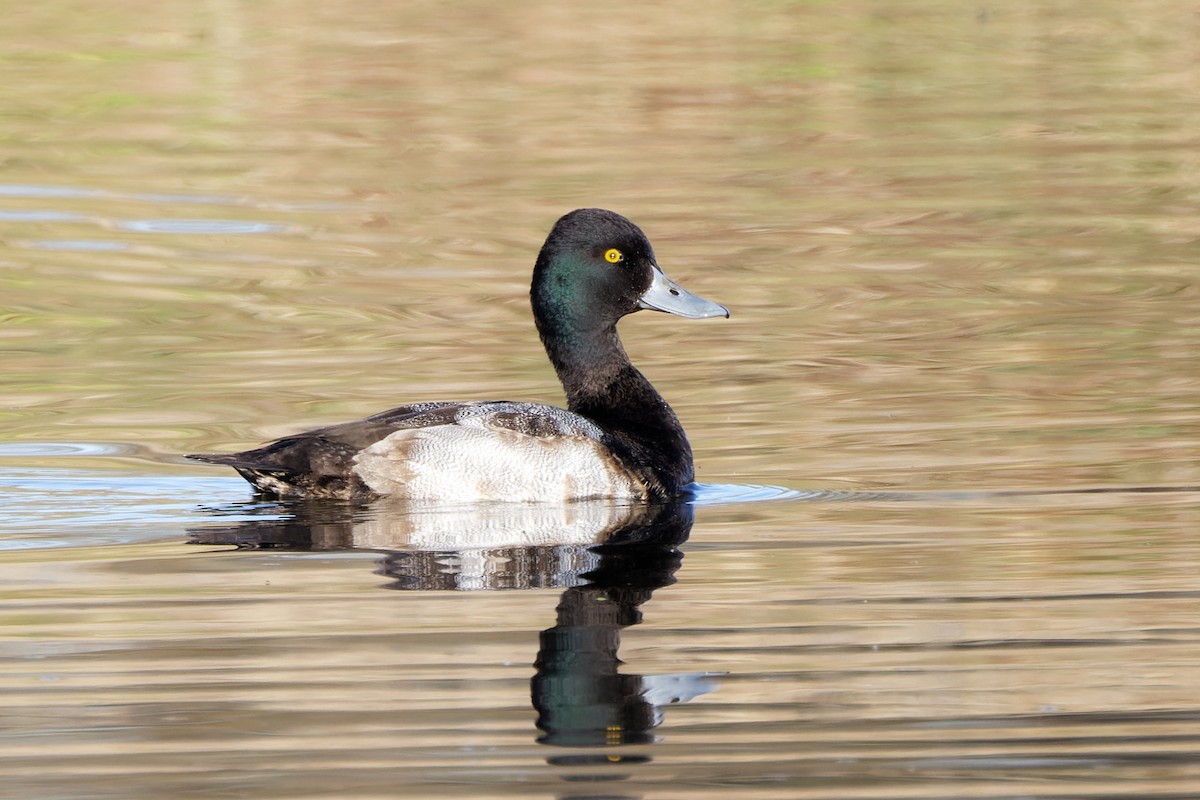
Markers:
<point>595,267</point>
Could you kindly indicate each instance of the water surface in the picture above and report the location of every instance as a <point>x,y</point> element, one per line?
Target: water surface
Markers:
<point>959,243</point>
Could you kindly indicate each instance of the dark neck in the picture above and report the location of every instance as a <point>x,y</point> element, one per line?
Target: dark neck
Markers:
<point>602,385</point>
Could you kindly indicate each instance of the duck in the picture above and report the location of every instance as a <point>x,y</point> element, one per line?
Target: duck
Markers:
<point>616,439</point>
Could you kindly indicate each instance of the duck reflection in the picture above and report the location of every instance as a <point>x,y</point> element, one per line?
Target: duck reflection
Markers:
<point>609,559</point>
<point>581,696</point>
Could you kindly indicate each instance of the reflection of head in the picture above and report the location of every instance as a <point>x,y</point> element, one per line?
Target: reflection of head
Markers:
<point>582,698</point>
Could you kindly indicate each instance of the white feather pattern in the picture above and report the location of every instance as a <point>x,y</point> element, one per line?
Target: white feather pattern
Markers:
<point>513,452</point>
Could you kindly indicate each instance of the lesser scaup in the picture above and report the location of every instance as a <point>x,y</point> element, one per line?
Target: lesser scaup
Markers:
<point>618,439</point>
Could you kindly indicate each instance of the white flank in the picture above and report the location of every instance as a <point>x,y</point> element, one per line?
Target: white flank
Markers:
<point>474,462</point>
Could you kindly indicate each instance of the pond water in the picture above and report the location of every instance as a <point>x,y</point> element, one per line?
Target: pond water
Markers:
<point>945,542</point>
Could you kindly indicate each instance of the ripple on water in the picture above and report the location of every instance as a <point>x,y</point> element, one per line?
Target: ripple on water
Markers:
<point>43,507</point>
<point>34,190</point>
<point>65,508</point>
<point>96,245</point>
<point>63,449</point>
<point>201,226</point>
<point>19,215</point>
<point>708,494</point>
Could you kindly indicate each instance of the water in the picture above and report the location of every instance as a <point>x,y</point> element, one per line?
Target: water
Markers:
<point>945,543</point>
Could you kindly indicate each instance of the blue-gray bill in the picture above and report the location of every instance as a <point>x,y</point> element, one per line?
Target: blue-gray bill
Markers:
<point>666,295</point>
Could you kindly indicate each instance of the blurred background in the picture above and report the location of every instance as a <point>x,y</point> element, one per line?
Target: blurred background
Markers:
<point>959,241</point>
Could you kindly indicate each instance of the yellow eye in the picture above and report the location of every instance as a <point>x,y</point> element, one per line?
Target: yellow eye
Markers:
<point>613,255</point>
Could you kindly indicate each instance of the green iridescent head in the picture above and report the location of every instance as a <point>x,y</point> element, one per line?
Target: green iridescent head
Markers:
<point>595,267</point>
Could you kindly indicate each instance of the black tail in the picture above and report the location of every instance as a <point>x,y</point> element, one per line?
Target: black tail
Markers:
<point>237,461</point>
<point>214,458</point>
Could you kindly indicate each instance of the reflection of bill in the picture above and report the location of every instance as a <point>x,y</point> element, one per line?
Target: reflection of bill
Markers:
<point>608,558</point>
